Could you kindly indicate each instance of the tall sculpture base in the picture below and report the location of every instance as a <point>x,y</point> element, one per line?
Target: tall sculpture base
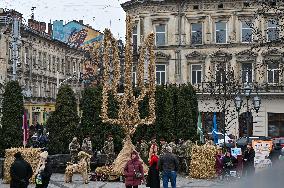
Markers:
<point>114,171</point>
<point>124,156</point>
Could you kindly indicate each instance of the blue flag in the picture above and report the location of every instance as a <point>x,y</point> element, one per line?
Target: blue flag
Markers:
<point>214,130</point>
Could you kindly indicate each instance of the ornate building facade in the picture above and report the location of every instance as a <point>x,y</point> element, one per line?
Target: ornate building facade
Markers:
<point>43,64</point>
<point>211,44</point>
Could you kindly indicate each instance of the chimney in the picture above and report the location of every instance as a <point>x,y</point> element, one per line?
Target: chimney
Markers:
<point>30,23</point>
<point>42,27</point>
<point>81,22</point>
<point>49,29</point>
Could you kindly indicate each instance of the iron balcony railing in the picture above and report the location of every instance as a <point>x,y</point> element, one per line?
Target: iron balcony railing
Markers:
<point>234,88</point>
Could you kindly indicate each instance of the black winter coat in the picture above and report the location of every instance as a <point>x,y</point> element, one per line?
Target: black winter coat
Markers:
<point>20,172</point>
<point>45,175</point>
<point>249,156</point>
<point>153,178</point>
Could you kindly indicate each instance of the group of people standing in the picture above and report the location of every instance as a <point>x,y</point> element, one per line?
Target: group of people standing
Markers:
<point>242,164</point>
<point>160,159</point>
<point>181,148</point>
<point>74,148</point>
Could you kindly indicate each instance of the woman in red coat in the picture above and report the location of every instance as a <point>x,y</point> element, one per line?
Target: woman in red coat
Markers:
<point>133,171</point>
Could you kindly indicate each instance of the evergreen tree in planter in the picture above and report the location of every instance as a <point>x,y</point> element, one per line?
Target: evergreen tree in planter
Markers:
<point>63,122</point>
<point>187,112</point>
<point>12,119</point>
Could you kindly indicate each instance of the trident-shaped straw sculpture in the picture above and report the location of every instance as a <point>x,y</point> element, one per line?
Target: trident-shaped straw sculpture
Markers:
<point>128,103</point>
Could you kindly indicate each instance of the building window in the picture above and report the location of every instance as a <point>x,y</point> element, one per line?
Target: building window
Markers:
<point>275,124</point>
<point>134,39</point>
<point>196,73</point>
<point>26,55</point>
<point>247,72</point>
<point>160,35</point>
<point>134,76</point>
<point>196,33</point>
<point>246,4</point>
<point>273,73</point>
<point>44,60</point>
<point>62,66</point>
<point>272,30</point>
<point>220,72</point>
<point>39,59</point>
<point>221,32</point>
<point>220,6</point>
<point>195,7</point>
<point>246,32</point>
<point>49,62</point>
<point>34,58</point>
<point>160,74</point>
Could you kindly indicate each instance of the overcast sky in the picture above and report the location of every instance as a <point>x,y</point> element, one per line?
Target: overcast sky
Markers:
<point>100,14</point>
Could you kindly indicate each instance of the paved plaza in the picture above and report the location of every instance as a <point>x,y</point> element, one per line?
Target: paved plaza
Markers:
<point>57,181</point>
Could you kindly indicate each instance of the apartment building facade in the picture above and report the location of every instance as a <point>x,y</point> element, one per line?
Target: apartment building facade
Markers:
<point>211,44</point>
<point>43,64</point>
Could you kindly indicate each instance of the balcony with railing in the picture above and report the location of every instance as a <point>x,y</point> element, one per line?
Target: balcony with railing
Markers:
<point>234,87</point>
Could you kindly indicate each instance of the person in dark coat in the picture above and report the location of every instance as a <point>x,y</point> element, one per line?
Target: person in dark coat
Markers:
<point>219,163</point>
<point>20,172</point>
<point>153,178</point>
<point>229,163</point>
<point>168,164</point>
<point>132,167</point>
<point>44,171</point>
<point>249,161</point>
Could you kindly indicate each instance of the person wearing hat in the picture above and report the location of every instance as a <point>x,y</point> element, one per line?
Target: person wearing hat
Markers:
<point>44,171</point>
<point>133,171</point>
<point>20,172</point>
<point>168,164</point>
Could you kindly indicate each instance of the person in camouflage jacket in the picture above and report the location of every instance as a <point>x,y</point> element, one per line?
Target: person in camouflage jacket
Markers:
<point>108,149</point>
<point>74,148</point>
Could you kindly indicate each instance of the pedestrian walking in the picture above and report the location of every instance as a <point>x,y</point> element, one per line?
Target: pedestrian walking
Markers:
<point>153,178</point>
<point>44,171</point>
<point>249,161</point>
<point>133,171</point>
<point>168,164</point>
<point>20,172</point>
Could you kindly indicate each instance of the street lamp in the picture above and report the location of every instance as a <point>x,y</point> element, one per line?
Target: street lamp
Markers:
<point>256,103</point>
<point>238,103</point>
<point>247,90</point>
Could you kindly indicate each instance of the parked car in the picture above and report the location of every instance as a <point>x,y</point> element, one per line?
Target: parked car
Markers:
<point>220,142</point>
<point>278,143</point>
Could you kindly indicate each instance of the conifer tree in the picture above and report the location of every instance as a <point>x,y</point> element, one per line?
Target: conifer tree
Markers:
<point>63,122</point>
<point>12,119</point>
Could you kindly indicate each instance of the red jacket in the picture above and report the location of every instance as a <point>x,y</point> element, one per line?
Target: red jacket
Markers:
<point>129,172</point>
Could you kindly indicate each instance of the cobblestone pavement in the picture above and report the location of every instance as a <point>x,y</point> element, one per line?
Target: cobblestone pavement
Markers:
<point>57,181</point>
